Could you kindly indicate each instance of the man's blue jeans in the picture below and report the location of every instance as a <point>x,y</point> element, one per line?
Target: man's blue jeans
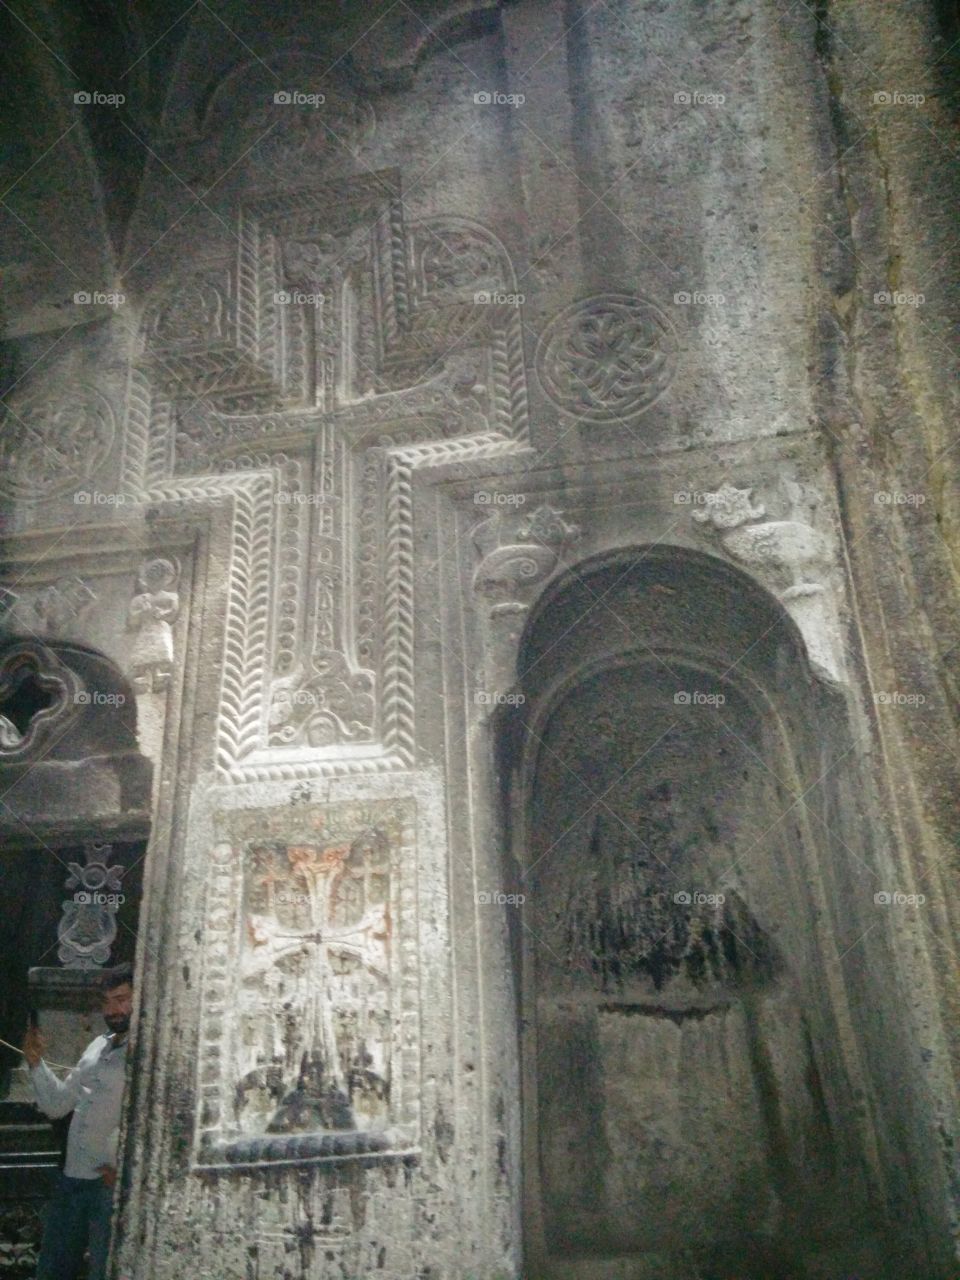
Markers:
<point>76,1218</point>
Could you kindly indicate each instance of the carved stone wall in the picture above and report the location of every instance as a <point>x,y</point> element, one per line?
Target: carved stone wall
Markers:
<point>434,316</point>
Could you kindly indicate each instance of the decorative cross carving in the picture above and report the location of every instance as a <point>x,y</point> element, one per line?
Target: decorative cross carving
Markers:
<point>351,350</point>
<point>88,925</point>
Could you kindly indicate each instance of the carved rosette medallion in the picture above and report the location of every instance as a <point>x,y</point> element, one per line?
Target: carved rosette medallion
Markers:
<point>607,358</point>
<point>51,444</point>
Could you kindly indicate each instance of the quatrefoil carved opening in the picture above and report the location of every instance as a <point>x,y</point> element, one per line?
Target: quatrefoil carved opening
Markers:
<point>35,691</point>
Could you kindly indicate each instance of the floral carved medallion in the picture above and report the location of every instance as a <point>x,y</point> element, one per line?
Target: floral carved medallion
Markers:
<point>607,358</point>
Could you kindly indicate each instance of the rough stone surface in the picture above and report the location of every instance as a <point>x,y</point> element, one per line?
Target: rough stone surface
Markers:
<point>490,469</point>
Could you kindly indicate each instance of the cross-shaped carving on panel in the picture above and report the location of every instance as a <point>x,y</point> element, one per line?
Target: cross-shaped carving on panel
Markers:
<point>306,379</point>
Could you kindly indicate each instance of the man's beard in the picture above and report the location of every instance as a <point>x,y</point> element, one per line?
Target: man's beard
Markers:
<point>117,1022</point>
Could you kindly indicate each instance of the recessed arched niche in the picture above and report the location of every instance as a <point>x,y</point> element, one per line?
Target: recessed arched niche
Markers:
<point>692,1072</point>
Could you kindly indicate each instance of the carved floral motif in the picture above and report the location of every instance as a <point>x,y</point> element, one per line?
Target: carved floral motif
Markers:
<point>50,444</point>
<point>194,312</point>
<point>511,564</point>
<point>728,507</point>
<point>607,359</point>
<point>792,557</point>
<point>455,260</point>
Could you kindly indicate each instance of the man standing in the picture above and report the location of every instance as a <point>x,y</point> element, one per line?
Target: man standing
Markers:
<point>79,1216</point>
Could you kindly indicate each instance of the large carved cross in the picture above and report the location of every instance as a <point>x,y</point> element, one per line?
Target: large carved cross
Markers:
<point>340,352</point>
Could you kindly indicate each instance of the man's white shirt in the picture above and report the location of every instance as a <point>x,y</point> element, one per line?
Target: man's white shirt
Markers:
<point>93,1090</point>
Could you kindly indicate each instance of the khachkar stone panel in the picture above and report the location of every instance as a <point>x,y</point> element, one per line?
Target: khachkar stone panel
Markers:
<point>310,1026</point>
<point>342,351</point>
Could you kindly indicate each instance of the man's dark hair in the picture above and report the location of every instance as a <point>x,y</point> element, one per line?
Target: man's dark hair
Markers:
<point>117,977</point>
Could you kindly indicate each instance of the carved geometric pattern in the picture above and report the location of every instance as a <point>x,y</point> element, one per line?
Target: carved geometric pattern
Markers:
<point>49,445</point>
<point>310,1046</point>
<point>307,135</point>
<point>607,358</point>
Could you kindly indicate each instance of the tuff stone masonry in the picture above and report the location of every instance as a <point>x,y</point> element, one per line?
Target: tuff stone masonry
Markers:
<point>479,508</point>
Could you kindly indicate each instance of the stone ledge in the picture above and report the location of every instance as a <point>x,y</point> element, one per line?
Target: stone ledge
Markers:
<point>302,1148</point>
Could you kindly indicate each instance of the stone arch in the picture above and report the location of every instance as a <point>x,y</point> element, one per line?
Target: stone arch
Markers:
<point>384,56</point>
<point>694,1067</point>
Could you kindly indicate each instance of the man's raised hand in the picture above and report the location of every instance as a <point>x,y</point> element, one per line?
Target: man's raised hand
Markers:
<point>34,1046</point>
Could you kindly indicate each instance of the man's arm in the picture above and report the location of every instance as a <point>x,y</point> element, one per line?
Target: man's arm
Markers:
<point>54,1097</point>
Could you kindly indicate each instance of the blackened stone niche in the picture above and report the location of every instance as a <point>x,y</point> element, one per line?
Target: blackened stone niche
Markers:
<point>68,739</point>
<point>690,1085</point>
